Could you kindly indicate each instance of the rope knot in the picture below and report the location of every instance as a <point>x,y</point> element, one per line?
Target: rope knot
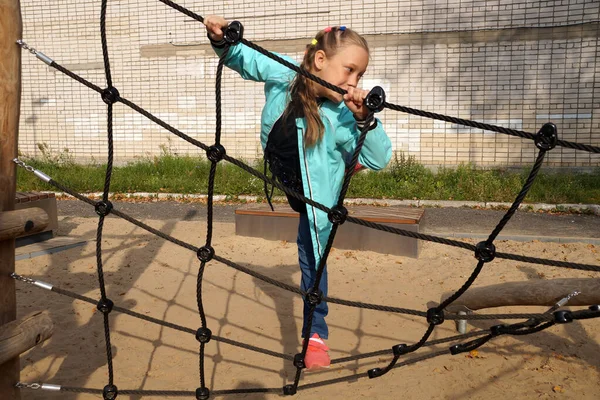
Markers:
<point>234,32</point>
<point>563,317</point>
<point>375,373</point>
<point>435,316</point>
<point>313,297</point>
<point>375,100</point>
<point>110,95</point>
<point>103,208</point>
<point>110,392</point>
<point>337,215</point>
<point>203,335</point>
<point>289,390</point>
<point>215,153</point>
<point>202,393</point>
<point>400,349</point>
<point>105,306</point>
<point>299,361</point>
<point>205,253</point>
<point>547,137</point>
<point>498,330</point>
<point>485,252</point>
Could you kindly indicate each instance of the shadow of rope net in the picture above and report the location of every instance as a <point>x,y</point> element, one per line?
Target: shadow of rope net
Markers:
<point>545,140</point>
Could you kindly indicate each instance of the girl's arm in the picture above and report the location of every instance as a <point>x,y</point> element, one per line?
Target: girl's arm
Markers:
<point>377,148</point>
<point>249,63</point>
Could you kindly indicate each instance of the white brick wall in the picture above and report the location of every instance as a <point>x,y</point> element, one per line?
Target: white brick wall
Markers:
<point>511,63</point>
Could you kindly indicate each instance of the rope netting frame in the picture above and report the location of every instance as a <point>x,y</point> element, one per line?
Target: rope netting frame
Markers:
<point>545,140</point>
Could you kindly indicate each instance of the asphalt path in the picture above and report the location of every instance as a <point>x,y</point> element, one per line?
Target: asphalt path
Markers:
<point>462,221</point>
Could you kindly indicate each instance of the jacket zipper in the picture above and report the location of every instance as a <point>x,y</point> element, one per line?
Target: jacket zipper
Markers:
<point>315,226</point>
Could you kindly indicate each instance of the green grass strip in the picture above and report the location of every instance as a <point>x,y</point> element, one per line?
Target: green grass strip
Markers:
<point>404,178</point>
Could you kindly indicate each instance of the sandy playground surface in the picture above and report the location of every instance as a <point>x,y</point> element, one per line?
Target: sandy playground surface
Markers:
<point>157,278</point>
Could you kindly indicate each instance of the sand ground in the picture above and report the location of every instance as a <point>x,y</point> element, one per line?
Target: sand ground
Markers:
<point>157,278</point>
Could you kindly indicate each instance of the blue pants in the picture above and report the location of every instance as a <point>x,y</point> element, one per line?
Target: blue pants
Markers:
<point>308,268</point>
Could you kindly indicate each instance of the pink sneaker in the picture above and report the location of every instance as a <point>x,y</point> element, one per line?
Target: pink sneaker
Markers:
<point>316,354</point>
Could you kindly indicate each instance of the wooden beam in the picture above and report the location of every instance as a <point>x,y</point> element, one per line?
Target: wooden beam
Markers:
<point>528,293</point>
<point>17,337</point>
<point>10,100</point>
<point>16,223</point>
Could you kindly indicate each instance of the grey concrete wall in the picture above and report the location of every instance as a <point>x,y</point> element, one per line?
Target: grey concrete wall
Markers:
<point>512,63</point>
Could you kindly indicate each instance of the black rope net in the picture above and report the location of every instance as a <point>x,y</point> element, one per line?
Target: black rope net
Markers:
<point>545,140</point>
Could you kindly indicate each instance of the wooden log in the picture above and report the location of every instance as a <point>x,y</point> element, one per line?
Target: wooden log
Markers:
<point>528,293</point>
<point>16,223</point>
<point>17,337</point>
<point>10,97</point>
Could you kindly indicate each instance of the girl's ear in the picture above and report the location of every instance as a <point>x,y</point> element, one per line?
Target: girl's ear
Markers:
<point>319,60</point>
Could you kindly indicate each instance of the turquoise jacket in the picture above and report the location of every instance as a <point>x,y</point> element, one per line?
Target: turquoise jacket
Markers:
<point>324,164</point>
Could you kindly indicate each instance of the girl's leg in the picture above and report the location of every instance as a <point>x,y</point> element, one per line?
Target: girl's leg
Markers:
<point>306,259</point>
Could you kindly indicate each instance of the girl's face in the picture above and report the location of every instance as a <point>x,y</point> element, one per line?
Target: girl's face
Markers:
<point>344,69</point>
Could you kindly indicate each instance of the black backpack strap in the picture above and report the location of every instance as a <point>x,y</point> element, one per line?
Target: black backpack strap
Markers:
<point>265,183</point>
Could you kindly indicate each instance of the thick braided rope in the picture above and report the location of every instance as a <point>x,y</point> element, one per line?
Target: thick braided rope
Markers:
<point>323,262</point>
<point>426,114</point>
<point>395,107</point>
<point>183,329</point>
<point>106,190</point>
<point>520,197</point>
<point>321,207</point>
<point>177,327</point>
<point>327,248</point>
<point>174,393</point>
<point>488,127</point>
<point>294,289</point>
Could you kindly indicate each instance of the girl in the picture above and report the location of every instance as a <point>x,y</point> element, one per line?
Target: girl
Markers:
<point>309,134</point>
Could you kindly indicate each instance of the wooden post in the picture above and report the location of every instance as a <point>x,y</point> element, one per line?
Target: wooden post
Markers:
<point>17,337</point>
<point>528,293</point>
<point>14,224</point>
<point>10,101</point>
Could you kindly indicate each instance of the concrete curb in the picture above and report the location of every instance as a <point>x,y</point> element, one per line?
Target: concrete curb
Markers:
<point>579,208</point>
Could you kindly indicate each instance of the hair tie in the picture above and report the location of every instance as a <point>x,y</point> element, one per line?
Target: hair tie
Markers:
<point>314,42</point>
<point>327,30</point>
<point>342,28</point>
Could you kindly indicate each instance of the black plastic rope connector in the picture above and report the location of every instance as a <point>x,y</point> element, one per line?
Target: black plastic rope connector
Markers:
<point>205,253</point>
<point>400,349</point>
<point>547,137</point>
<point>375,373</point>
<point>299,361</point>
<point>435,316</point>
<point>110,95</point>
<point>202,393</point>
<point>457,349</point>
<point>215,153</point>
<point>103,208</point>
<point>234,32</point>
<point>289,390</point>
<point>313,297</point>
<point>498,330</point>
<point>110,392</point>
<point>105,306</point>
<point>563,316</point>
<point>469,346</point>
<point>337,215</point>
<point>203,335</point>
<point>485,252</point>
<point>375,100</point>
<point>591,312</point>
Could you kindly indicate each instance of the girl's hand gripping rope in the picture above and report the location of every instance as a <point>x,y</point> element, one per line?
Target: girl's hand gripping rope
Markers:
<point>354,100</point>
<point>214,27</point>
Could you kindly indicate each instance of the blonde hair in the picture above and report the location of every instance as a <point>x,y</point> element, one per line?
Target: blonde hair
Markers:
<point>303,91</point>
